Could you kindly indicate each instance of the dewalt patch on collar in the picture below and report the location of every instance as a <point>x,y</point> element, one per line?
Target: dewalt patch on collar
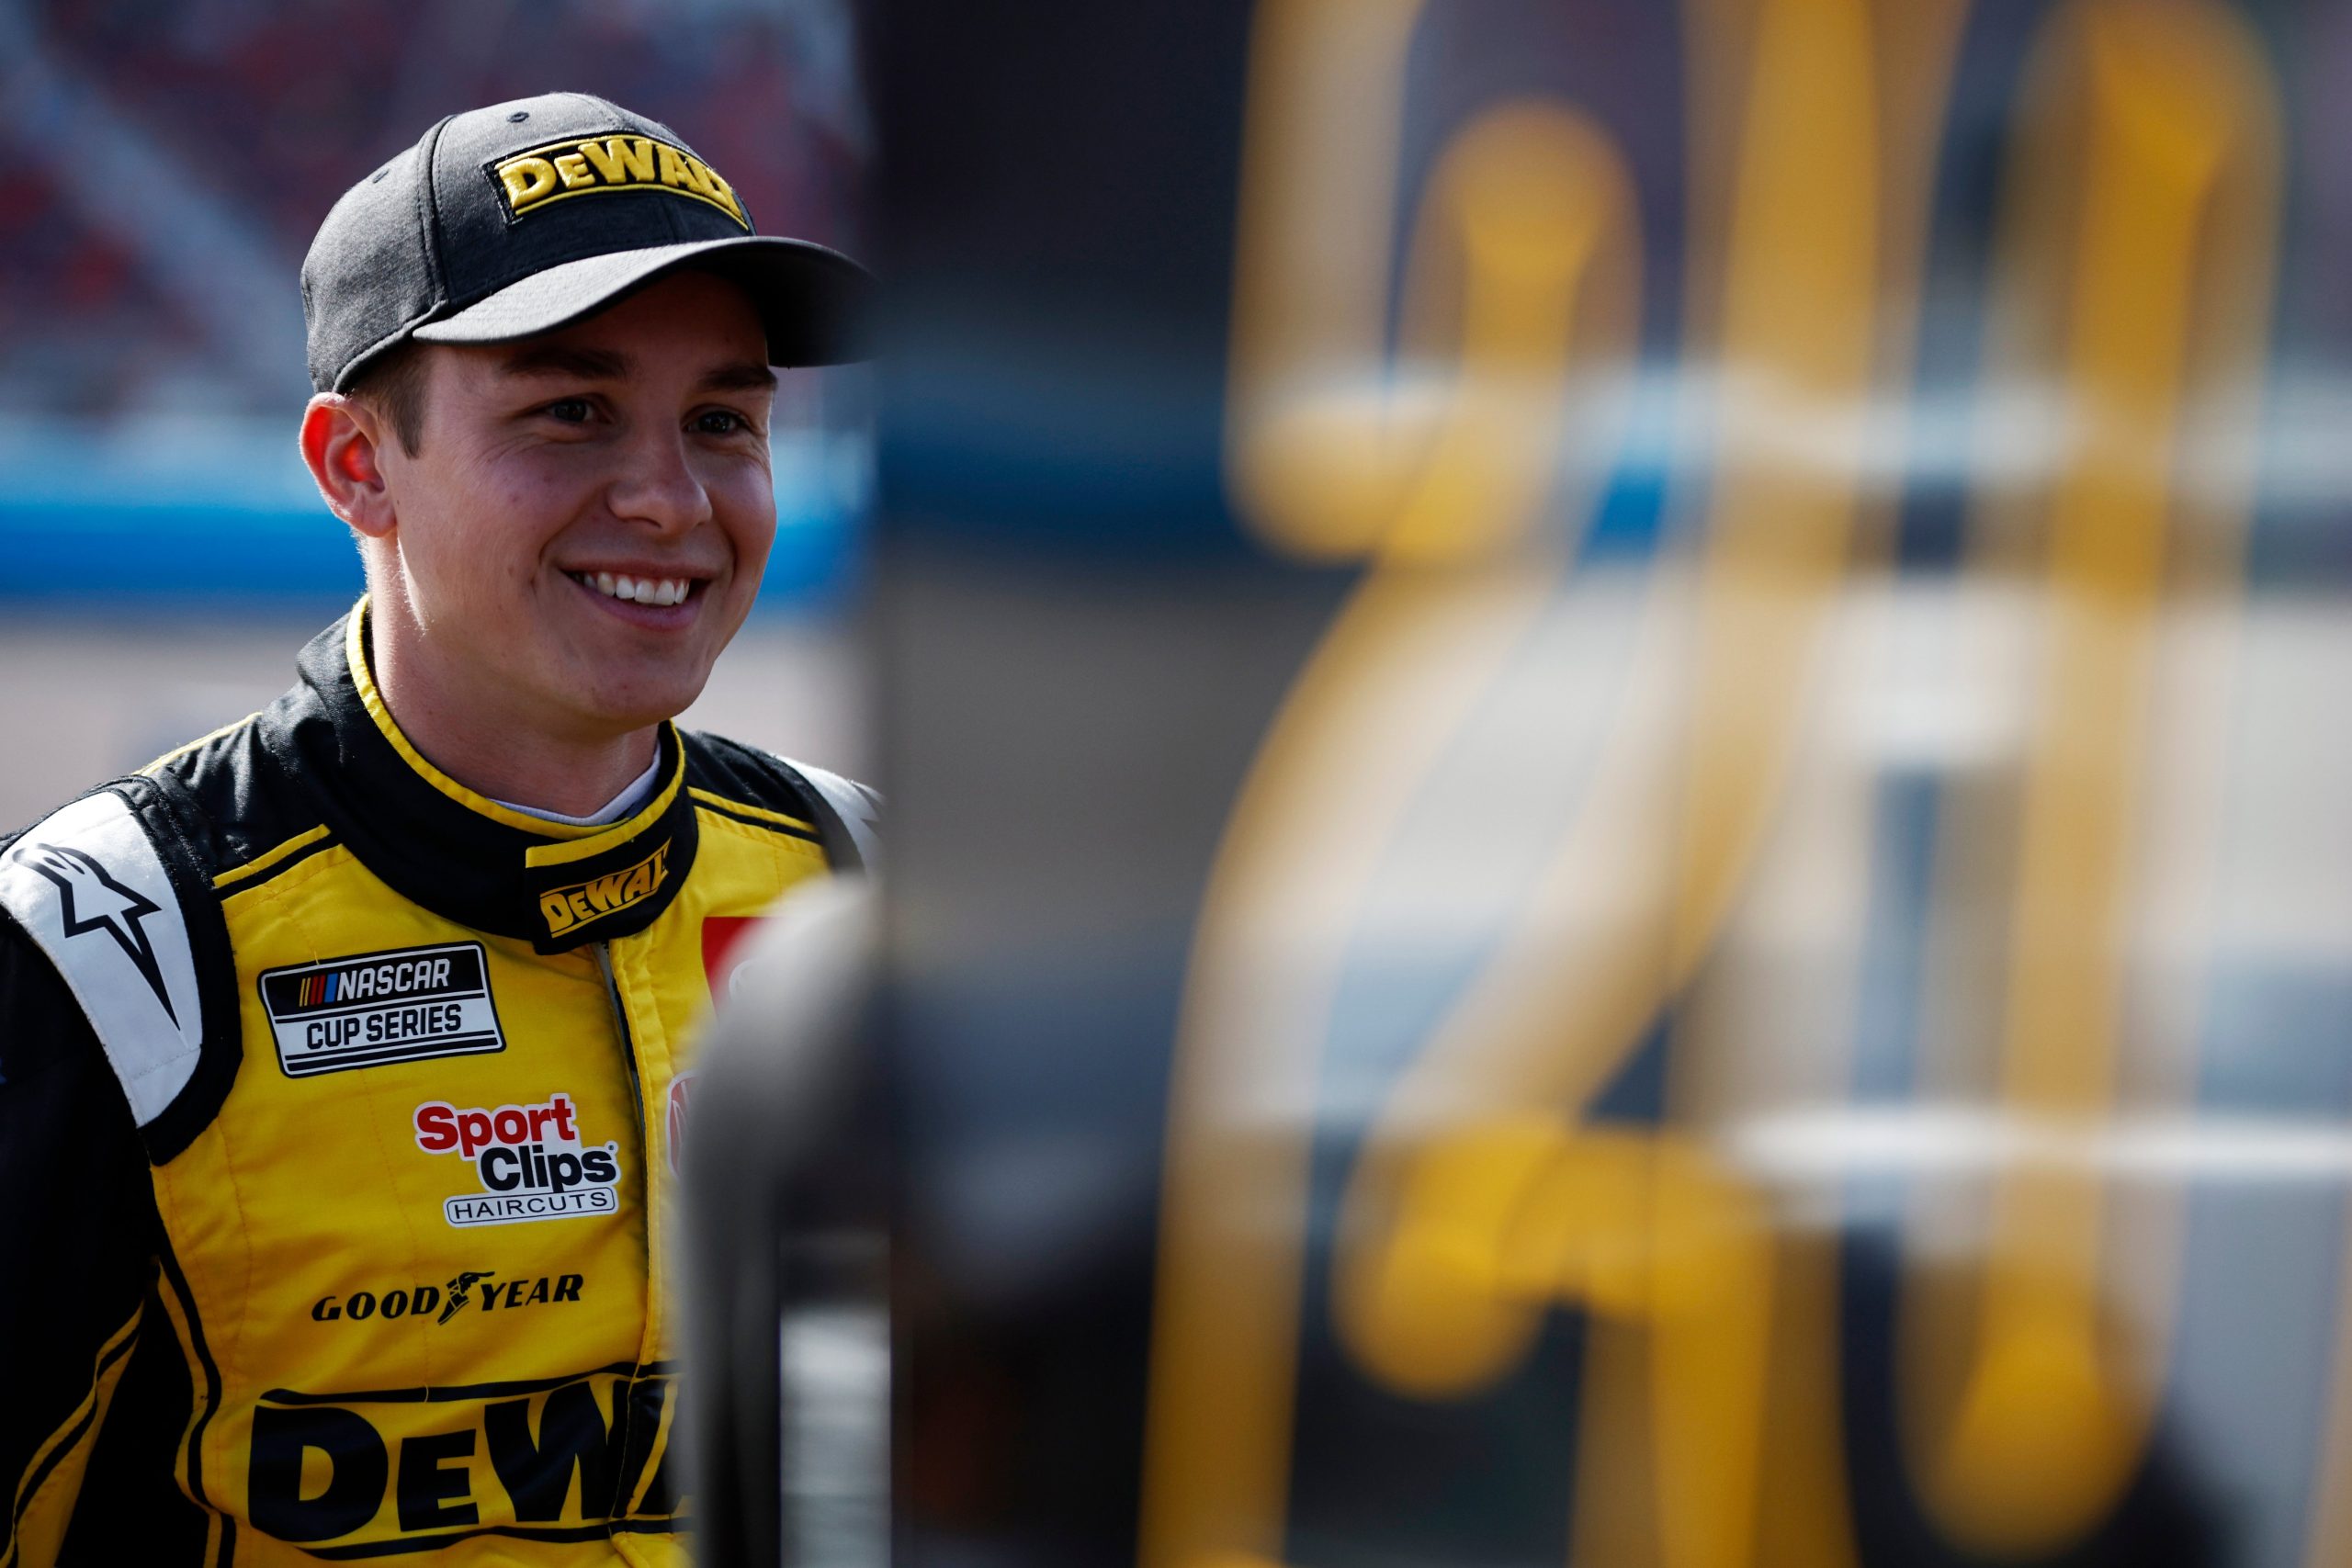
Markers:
<point>565,909</point>
<point>591,165</point>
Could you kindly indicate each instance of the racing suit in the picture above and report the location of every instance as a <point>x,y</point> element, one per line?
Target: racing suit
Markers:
<point>339,1110</point>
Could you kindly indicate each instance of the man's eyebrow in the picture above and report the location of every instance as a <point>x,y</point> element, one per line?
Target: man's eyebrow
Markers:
<point>558,359</point>
<point>742,376</point>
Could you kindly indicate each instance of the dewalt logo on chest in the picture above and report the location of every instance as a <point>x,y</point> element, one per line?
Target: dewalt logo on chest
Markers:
<point>590,165</point>
<point>567,907</point>
<point>401,1472</point>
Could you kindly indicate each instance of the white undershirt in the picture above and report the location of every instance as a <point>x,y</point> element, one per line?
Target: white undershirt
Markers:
<point>613,810</point>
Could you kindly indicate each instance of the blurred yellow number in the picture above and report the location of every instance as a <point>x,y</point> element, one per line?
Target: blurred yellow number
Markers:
<point>2137,255</point>
<point>1479,1202</point>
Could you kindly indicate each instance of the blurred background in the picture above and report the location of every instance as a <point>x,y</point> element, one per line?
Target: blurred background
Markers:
<point>1615,832</point>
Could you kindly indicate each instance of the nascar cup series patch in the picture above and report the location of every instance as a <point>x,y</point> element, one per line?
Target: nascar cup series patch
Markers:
<point>374,1008</point>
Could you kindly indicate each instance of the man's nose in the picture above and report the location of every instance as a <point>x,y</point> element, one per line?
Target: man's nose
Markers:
<point>658,484</point>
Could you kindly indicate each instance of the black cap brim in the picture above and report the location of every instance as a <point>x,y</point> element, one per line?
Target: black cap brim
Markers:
<point>817,304</point>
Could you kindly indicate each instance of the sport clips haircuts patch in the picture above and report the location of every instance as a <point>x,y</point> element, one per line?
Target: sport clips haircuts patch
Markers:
<point>404,1005</point>
<point>587,165</point>
<point>533,1161</point>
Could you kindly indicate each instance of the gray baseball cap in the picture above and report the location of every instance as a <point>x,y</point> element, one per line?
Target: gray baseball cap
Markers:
<point>518,218</point>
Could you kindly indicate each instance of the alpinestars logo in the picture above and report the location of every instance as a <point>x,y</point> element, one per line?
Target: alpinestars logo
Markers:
<point>529,1159</point>
<point>94,901</point>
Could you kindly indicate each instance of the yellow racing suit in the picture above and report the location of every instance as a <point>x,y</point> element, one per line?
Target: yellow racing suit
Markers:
<point>340,1106</point>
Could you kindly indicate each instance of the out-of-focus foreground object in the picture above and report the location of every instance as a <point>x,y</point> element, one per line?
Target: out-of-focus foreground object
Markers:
<point>1618,839</point>
<point>787,1335</point>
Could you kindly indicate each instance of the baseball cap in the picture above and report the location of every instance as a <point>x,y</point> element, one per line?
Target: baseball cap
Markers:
<point>518,218</point>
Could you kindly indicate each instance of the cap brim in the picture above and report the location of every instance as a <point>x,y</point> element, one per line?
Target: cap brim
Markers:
<point>816,303</point>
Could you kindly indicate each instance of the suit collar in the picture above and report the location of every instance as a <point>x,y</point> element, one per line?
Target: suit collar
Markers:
<point>455,851</point>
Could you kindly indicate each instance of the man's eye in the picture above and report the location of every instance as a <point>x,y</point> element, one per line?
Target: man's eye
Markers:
<point>570,410</point>
<point>722,421</point>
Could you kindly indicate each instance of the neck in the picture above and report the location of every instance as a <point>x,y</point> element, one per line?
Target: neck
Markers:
<point>470,735</point>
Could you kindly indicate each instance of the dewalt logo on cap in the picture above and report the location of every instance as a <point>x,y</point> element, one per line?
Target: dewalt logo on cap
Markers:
<point>588,166</point>
<point>565,908</point>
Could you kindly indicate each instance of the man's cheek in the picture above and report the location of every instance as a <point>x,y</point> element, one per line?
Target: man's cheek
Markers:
<point>753,531</point>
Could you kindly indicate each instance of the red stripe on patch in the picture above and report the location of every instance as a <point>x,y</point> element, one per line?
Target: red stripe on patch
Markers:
<point>723,950</point>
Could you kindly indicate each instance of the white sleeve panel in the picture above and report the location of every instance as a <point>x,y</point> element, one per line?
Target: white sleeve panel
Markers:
<point>86,883</point>
<point>859,808</point>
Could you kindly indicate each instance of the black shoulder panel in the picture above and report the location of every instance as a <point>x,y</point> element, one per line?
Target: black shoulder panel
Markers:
<point>240,804</point>
<point>842,811</point>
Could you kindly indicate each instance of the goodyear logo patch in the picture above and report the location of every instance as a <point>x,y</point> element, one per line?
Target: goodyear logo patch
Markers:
<point>566,907</point>
<point>587,165</point>
<point>404,1005</point>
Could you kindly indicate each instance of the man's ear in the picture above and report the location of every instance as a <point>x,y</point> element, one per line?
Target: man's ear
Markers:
<point>342,444</point>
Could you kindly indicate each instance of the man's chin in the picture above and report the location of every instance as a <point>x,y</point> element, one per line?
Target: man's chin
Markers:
<point>627,707</point>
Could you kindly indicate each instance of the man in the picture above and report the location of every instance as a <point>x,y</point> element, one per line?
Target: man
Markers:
<point>345,1053</point>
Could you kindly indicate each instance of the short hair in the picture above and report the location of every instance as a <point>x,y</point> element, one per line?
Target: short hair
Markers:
<point>394,386</point>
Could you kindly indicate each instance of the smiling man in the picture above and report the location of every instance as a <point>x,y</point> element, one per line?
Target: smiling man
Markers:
<point>345,1054</point>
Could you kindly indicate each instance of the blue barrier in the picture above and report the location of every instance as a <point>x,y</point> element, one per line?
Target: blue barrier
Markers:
<point>194,516</point>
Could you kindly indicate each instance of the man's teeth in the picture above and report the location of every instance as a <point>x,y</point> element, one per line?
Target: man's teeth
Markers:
<point>642,589</point>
